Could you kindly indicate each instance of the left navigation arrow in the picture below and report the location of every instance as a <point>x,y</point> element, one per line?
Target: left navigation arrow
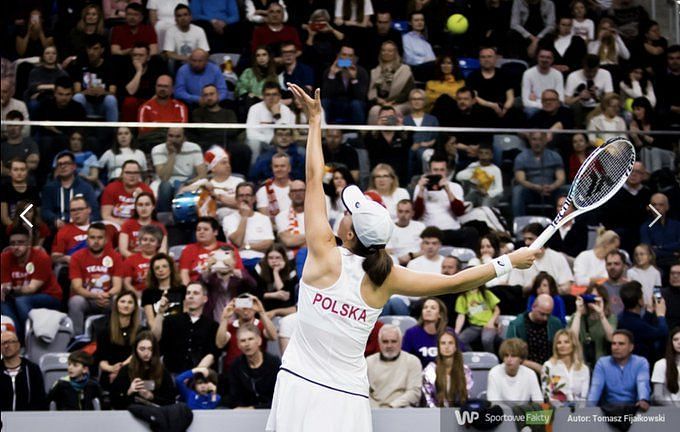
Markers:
<point>23,216</point>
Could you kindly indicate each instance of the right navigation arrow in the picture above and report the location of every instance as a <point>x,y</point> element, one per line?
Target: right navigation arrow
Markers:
<point>656,212</point>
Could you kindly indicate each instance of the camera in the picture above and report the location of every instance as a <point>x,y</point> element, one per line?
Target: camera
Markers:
<point>318,26</point>
<point>243,301</point>
<point>433,182</point>
<point>588,298</point>
<point>657,293</point>
<point>344,63</point>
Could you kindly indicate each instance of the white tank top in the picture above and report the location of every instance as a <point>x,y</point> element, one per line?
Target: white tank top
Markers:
<point>333,325</point>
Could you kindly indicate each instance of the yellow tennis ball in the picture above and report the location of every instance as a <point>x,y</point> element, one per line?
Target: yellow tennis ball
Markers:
<point>629,105</point>
<point>457,24</point>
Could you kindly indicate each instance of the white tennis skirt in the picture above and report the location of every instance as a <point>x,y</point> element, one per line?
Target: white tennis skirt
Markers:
<point>303,406</point>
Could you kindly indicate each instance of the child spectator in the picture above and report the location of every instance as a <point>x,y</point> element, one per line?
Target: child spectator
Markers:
<point>77,390</point>
<point>198,388</point>
<point>480,306</point>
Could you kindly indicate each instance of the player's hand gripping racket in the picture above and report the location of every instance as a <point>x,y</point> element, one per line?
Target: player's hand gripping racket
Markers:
<point>602,174</point>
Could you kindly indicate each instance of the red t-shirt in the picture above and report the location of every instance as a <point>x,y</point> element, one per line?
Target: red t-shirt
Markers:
<point>123,202</point>
<point>43,230</point>
<point>122,35</point>
<point>70,238</point>
<point>96,272</point>
<point>232,346</point>
<point>194,258</point>
<point>131,227</point>
<point>264,36</point>
<point>136,267</point>
<point>37,267</point>
<point>173,111</point>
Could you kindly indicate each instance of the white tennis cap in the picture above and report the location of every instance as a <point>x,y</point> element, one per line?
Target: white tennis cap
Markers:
<point>371,221</point>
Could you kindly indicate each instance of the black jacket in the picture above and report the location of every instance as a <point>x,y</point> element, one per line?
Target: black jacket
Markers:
<point>253,387</point>
<point>70,399</point>
<point>184,343</point>
<point>164,394</point>
<point>28,391</point>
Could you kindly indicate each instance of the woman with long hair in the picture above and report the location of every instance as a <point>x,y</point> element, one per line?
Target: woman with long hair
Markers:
<point>480,307</point>
<point>42,77</point>
<point>565,377</point>
<point>447,79</point>
<point>581,148</point>
<point>342,291</point>
<point>489,248</point>
<point>606,121</point>
<point>123,149</point>
<point>644,270</point>
<point>33,38</point>
<point>544,283</point>
<point>385,181</point>
<point>251,81</point>
<point>277,279</point>
<point>421,340</point>
<point>91,23</point>
<point>144,376</point>
<point>162,281</point>
<point>143,214</point>
<point>666,373</point>
<point>636,84</point>
<point>447,380</point>
<point>643,120</point>
<point>589,265</point>
<point>342,178</point>
<point>594,323</point>
<point>608,46</point>
<point>150,238</point>
<point>391,82</point>
<point>114,340</point>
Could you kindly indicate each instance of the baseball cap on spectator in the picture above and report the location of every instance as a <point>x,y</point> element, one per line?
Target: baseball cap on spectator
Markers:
<point>214,156</point>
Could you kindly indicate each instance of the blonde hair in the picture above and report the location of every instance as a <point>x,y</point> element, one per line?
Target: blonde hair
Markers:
<point>390,172</point>
<point>605,237</point>
<point>576,352</point>
<point>394,64</point>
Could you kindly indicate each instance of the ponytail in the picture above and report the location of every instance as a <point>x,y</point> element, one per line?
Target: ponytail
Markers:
<point>378,266</point>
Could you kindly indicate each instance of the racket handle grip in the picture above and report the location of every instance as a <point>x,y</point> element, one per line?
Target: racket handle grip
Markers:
<point>543,238</point>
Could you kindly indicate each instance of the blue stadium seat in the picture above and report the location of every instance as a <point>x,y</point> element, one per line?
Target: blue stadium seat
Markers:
<point>467,65</point>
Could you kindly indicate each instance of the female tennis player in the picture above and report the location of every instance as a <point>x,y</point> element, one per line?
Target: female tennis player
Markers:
<point>322,384</point>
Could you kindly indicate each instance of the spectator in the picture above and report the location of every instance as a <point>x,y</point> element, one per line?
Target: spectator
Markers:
<point>391,82</point>
<point>353,13</point>
<point>77,390</point>
<point>571,238</point>
<point>336,209</point>
<point>389,147</point>
<point>394,376</point>
<point>115,11</point>
<point>581,149</point>
<point>95,85</point>
<point>256,10</point>
<point>622,378</point>
<point>589,265</point>
<point>644,271</point>
<point>494,24</point>
<point>565,377</point>
<point>615,262</point>
<point>17,189</point>
<point>671,295</point>
<point>544,283</point>
<point>251,81</point>
<point>447,381</point>
<point>482,179</point>
<point>644,120</point>
<point>429,261</point>
<point>439,202</point>
<point>210,111</point>
<point>139,81</point>
<point>123,149</point>
<point>134,31</point>
<point>86,161</point>
<point>72,236</point>
<point>96,274</point>
<point>421,340</point>
<point>479,306</point>
<point>541,77</point>
<point>198,388</point>
<point>144,377</point>
<point>664,235</point>
<point>27,279</point>
<point>418,52</point>
<point>586,87</point>
<point>16,146</point>
<point>40,232</point>
<point>9,103</point>
<point>119,196</point>
<point>649,329</point>
<point>669,102</point>
<point>194,259</point>
<point>421,140</point>
<point>608,123</point>
<point>143,214</point>
<point>277,279</point>
<point>404,245</point>
<point>531,20</point>
<point>385,182</point>
<point>489,248</point>
<point>162,16</point>
<point>511,381</point>
<point>269,111</point>
<point>493,88</point>
<point>594,323</point>
<point>372,44</point>
<point>249,230</point>
<point>150,237</point>
<point>199,72</point>
<point>290,224</point>
<point>274,32</point>
<point>552,115</point>
<point>293,71</point>
<point>338,152</point>
<point>57,194</point>
<point>283,142</point>
<point>608,45</point>
<point>252,376</point>
<point>91,23</point>
<point>163,281</point>
<point>33,37</point>
<point>162,107</point>
<point>539,173</point>
<point>180,40</point>
<point>219,19</point>
<point>537,328</point>
<point>177,162</point>
<point>189,340</point>
<point>568,48</point>
<point>115,336</point>
<point>665,378</point>
<point>273,197</point>
<point>637,84</point>
<point>582,25</point>
<point>21,381</point>
<point>650,48</point>
<point>323,41</point>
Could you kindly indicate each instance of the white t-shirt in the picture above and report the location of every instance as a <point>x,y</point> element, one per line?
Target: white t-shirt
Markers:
<point>523,387</point>
<point>284,221</point>
<point>259,114</point>
<point>186,161</point>
<point>585,29</point>
<point>391,201</point>
<point>491,170</point>
<point>587,266</point>
<point>113,163</point>
<point>423,264</point>
<point>533,81</point>
<point>602,80</point>
<point>183,43</point>
<point>405,239</point>
<point>165,9</point>
<point>258,228</point>
<point>438,207</point>
<point>339,4</point>
<point>648,279</point>
<point>282,197</point>
<point>552,262</point>
<point>659,377</point>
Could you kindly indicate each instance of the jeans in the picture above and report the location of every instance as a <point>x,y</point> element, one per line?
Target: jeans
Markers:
<point>166,192</point>
<point>18,308</point>
<point>395,306</point>
<point>344,111</point>
<point>107,108</point>
<point>78,307</point>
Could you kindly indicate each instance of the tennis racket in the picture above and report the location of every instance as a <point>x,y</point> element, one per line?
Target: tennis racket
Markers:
<point>602,174</point>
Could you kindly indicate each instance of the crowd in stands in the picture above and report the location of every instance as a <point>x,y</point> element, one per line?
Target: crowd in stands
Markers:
<point>198,302</point>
